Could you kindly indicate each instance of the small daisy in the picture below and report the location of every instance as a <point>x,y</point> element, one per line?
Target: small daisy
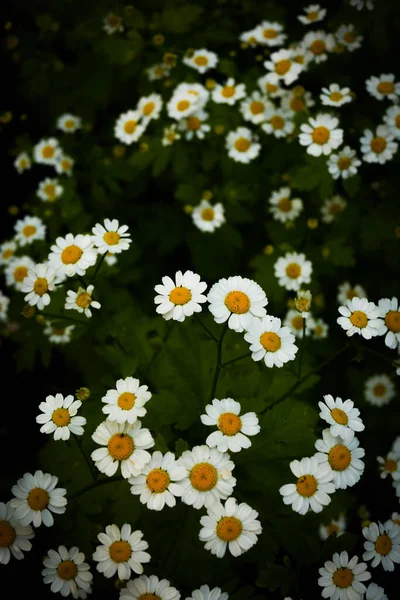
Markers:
<point>301,55</point>
<point>378,147</point>
<point>233,526</point>
<point>389,311</point>
<point>302,302</point>
<point>17,270</point>
<point>270,342</point>
<point>148,588</point>
<point>22,162</point>
<point>249,38</point>
<point>294,321</point>
<point>7,252</point>
<point>64,164</point>
<point>69,123</point>
<point>28,230</point>
<point>254,107</point>
<point>81,301</point>
<point>72,255</point>
<point>236,300</point>
<point>59,416</point>
<point>342,458</point>
<point>170,135</point>
<point>321,134</point>
<point>125,404</point>
<point>375,592</point>
<point>242,145</point>
<point>36,498</point>
<point>269,33</point>
<point>348,37</point>
<point>317,328</point>
<point>111,237</point>
<point>232,429</point>
<point>229,93</point>
<point>341,577</point>
<point>46,151</point>
<point>311,491</point>
<point>270,85</point>
<point>4,303</point>
<point>205,593</point>
<point>284,208</point>
<point>343,418</point>
<point>278,122</point>
<point>150,107</point>
<point>195,91</point>
<point>313,13</point>
<point>208,476</point>
<point>335,95</point>
<point>379,390</point>
<point>282,64</point>
<point>293,270</point>
<point>14,536</point>
<point>297,101</point>
<point>392,120</point>
<point>157,71</point>
<point>389,465</point>
<point>194,125</point>
<point>182,105</point>
<point>208,217</point>
<point>362,317</point>
<point>347,292</point>
<point>124,445</point>
<point>337,526</point>
<point>180,298</point>
<point>202,60</point>
<point>37,285</point>
<point>49,190</point>
<point>343,164</point>
<point>127,128</point>
<point>159,482</point>
<point>112,24</point>
<point>59,335</point>
<point>66,571</point>
<point>121,551</point>
<point>383,86</point>
<point>319,43</point>
<point>383,544</point>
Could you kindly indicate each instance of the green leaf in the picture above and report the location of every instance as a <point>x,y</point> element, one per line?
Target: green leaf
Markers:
<point>179,20</point>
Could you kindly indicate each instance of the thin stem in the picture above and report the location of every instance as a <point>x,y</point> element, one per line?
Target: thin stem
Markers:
<point>96,484</point>
<point>218,365</point>
<point>98,267</point>
<point>233,360</point>
<point>89,464</point>
<point>301,353</point>
<point>62,317</point>
<point>209,333</point>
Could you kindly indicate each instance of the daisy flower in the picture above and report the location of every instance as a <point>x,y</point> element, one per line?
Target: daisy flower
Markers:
<point>301,55</point>
<point>37,285</point>
<point>208,476</point>
<point>58,335</point>
<point>72,255</point>
<point>111,237</point>
<point>294,321</point>
<point>202,60</point>
<point>311,491</point>
<point>170,135</point>
<point>208,217</point>
<point>378,147</point>
<point>205,593</point>
<point>112,24</point>
<point>66,571</point>
<point>379,390</point>
<point>159,482</point>
<point>37,498</point>
<point>362,317</point>
<point>22,162</point>
<point>69,123</point>
<point>64,164</point>
<point>383,544</point>
<point>242,145</point>
<point>389,311</point>
<point>196,91</point>
<point>383,86</point>
<point>14,536</point>
<point>144,587</point>
<point>313,13</point>
<point>46,151</point>
<point>81,301</point>
<point>302,302</point>
<point>347,292</point>
<point>343,418</point>
<point>269,33</point>
<point>121,551</point>
<point>157,71</point>
<point>375,592</point>
<point>127,128</point>
<point>183,104</point>
<point>236,300</point>
<point>284,208</point>
<point>348,37</point>
<point>194,125</point>
<point>297,100</point>
<point>4,303</point>
<point>270,85</point>
<point>150,107</point>
<point>343,164</point>
<point>293,270</point>
<point>392,120</point>
<point>319,43</point>
<point>337,526</point>
<point>125,404</point>
<point>17,270</point>
<point>335,95</point>
<point>59,416</point>
<point>278,122</point>
<point>254,107</point>
<point>395,518</point>
<point>230,526</point>
<point>321,134</point>
<point>389,465</point>
<point>49,190</point>
<point>281,63</point>
<point>229,93</point>
<point>270,342</point>
<point>180,298</point>
<point>28,230</point>
<point>342,458</point>
<point>7,252</point>
<point>232,429</point>
<point>249,38</point>
<point>341,577</point>
<point>124,445</point>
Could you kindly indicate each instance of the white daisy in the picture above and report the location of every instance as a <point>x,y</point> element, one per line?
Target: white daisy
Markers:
<point>49,190</point>
<point>334,95</point>
<point>22,162</point>
<point>46,151</point>
<point>64,164</point>
<point>196,91</point>
<point>321,134</point>
<point>236,300</point>
<point>249,38</point>
<point>147,588</point>
<point>37,285</point>
<point>72,255</point>
<point>293,270</point>
<point>311,491</point>
<point>269,33</point>
<point>341,578</point>
<point>111,237</point>
<point>362,317</point>
<point>159,482</point>
<point>319,43</point>
<point>205,593</point>
<point>202,60</point>
<point>348,37</point>
<point>59,416</point>
<point>254,107</point>
<point>270,85</point>
<point>180,298</point>
<point>284,208</point>
<point>342,417</point>
<point>302,302</point>
<point>278,122</point>
<point>389,311</point>
<point>383,544</point>
<point>58,335</point>
<point>194,125</point>
<point>375,592</point>
<point>69,123</point>
<point>170,135</point>
<point>342,458</point>
<point>150,107</point>
<point>379,390</point>
<point>337,526</point>
<point>125,404</point>
<point>378,147</point>
<point>270,342</point>
<point>208,217</point>
<point>36,498</point>
<point>112,23</point>
<point>392,120</point>
<point>294,321</point>
<point>157,71</point>
<point>128,128</point>
<point>28,230</point>
<point>343,164</point>
<point>232,429</point>
<point>242,145</point>
<point>282,64</point>
<point>14,536</point>
<point>121,551</point>
<point>232,526</point>
<point>389,465</point>
<point>383,87</point>
<point>313,14</point>
<point>66,571</point>
<point>182,104</point>
<point>301,55</point>
<point>208,476</point>
<point>229,93</point>
<point>7,252</point>
<point>4,304</point>
<point>347,292</point>
<point>16,271</point>
<point>81,301</point>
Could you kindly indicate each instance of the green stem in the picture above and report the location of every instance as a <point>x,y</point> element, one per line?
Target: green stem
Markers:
<point>158,351</point>
<point>301,353</point>
<point>98,267</point>
<point>89,464</point>
<point>233,360</point>
<point>218,365</point>
<point>62,317</point>
<point>96,484</point>
<point>209,333</point>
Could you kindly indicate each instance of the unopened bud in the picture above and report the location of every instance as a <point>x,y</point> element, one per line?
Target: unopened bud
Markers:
<point>82,393</point>
<point>28,311</point>
<point>303,301</point>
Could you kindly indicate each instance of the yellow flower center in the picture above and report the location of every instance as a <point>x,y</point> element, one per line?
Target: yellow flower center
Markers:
<point>397,121</point>
<point>8,253</point>
<point>318,330</point>
<point>229,529</point>
<point>71,254</point>
<point>343,163</point>
<point>58,330</point>
<point>378,144</point>
<point>390,465</point>
<point>383,544</point>
<point>285,204</point>
<point>180,295</point>
<point>293,270</point>
<point>339,416</point>
<point>183,105</point>
<point>66,164</point>
<point>149,597</point>
<point>126,401</point>
<point>359,319</point>
<point>306,485</point>
<point>331,528</point>
<point>120,551</point>
<point>130,126</point>
<point>379,390</point>
<point>50,191</point>
<point>320,135</point>
<point>67,570</point>
<point>61,417</point>
<point>312,15</point>
<point>193,123</point>
<point>7,534</point>
<point>385,87</point>
<point>207,214</point>
<point>113,20</point>
<point>339,457</point>
<point>343,577</point>
<point>148,108</point>
<point>157,481</point>
<point>242,144</point>
<point>277,122</point>
<point>282,66</point>
<point>297,104</point>
<point>69,123</point>
<point>201,61</point>
<point>38,499</point>
<point>237,302</point>
<point>40,286</point>
<point>318,47</point>
<point>270,341</point>
<point>203,477</point>
<point>48,152</point>
<point>256,107</point>
<point>270,34</point>
<point>111,238</point>
<point>228,91</point>
<point>271,88</point>
<point>297,322</point>
<point>20,273</point>
<point>351,293</point>
<point>29,230</point>
<point>83,300</point>
<point>120,446</point>
<point>229,423</point>
<point>349,37</point>
<point>392,321</point>
<point>23,163</point>
<point>335,96</point>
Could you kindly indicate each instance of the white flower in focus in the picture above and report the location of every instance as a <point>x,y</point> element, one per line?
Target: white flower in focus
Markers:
<point>125,404</point>
<point>14,536</point>
<point>128,128</point>
<point>343,164</point>
<point>59,416</point>
<point>292,271</point>
<point>254,107</point>
<point>81,301</point>
<point>49,190</point>
<point>378,147</point>
<point>375,592</point>
<point>321,134</point>
<point>383,87</point>
<point>232,429</point>
<point>270,342</point>
<point>282,64</point>
<point>148,588</point>
<point>229,93</point>
<point>311,491</point>
<point>111,237</point>
<point>46,151</point>
<point>242,145</point>
<point>37,285</point>
<point>361,317</point>
<point>150,107</point>
<point>278,122</point>
<point>208,217</point>
<point>201,60</point>
<point>69,123</point>
<point>121,551</point>
<point>66,571</point>
<point>389,311</point>
<point>379,390</point>
<point>342,417</point>
<point>341,578</point>
<point>342,458</point>
<point>284,208</point>
<point>16,271</point>
<point>383,544</point>
<point>37,498</point>
<point>313,14</point>
<point>180,298</point>
<point>72,255</point>
<point>28,230</point>
<point>335,95</point>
